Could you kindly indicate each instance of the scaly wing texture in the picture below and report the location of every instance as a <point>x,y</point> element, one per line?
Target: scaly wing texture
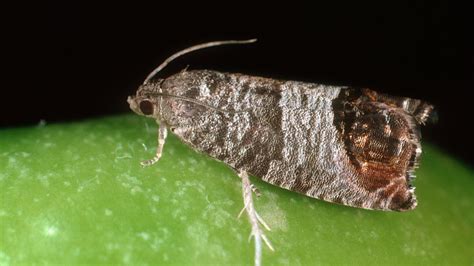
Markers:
<point>382,139</point>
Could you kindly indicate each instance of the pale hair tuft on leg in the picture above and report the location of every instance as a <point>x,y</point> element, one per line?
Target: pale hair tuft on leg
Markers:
<point>255,219</point>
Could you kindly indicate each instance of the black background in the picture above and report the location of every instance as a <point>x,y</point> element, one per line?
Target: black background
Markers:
<point>73,60</point>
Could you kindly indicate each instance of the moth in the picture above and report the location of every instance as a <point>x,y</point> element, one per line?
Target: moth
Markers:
<point>345,145</point>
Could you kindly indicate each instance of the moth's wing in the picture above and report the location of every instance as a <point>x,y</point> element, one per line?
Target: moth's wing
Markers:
<point>382,139</point>
<point>419,110</point>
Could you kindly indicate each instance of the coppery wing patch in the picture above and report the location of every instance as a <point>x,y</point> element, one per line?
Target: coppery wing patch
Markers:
<point>382,139</point>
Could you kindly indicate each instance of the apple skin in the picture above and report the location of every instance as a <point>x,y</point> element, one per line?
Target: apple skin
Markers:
<point>75,193</point>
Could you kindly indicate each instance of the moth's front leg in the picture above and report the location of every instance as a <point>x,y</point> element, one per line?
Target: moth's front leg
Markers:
<point>162,132</point>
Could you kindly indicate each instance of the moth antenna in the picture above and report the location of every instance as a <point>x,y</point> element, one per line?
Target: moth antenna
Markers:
<point>191,49</point>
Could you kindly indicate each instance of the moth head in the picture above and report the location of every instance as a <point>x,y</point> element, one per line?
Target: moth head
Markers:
<point>145,101</point>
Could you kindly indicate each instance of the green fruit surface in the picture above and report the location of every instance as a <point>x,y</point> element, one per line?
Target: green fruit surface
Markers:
<point>75,193</point>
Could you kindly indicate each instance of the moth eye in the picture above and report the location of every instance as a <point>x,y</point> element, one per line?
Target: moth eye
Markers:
<point>146,107</point>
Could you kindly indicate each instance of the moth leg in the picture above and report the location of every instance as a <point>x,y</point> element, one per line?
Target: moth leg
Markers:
<point>255,190</point>
<point>162,132</point>
<point>255,219</point>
